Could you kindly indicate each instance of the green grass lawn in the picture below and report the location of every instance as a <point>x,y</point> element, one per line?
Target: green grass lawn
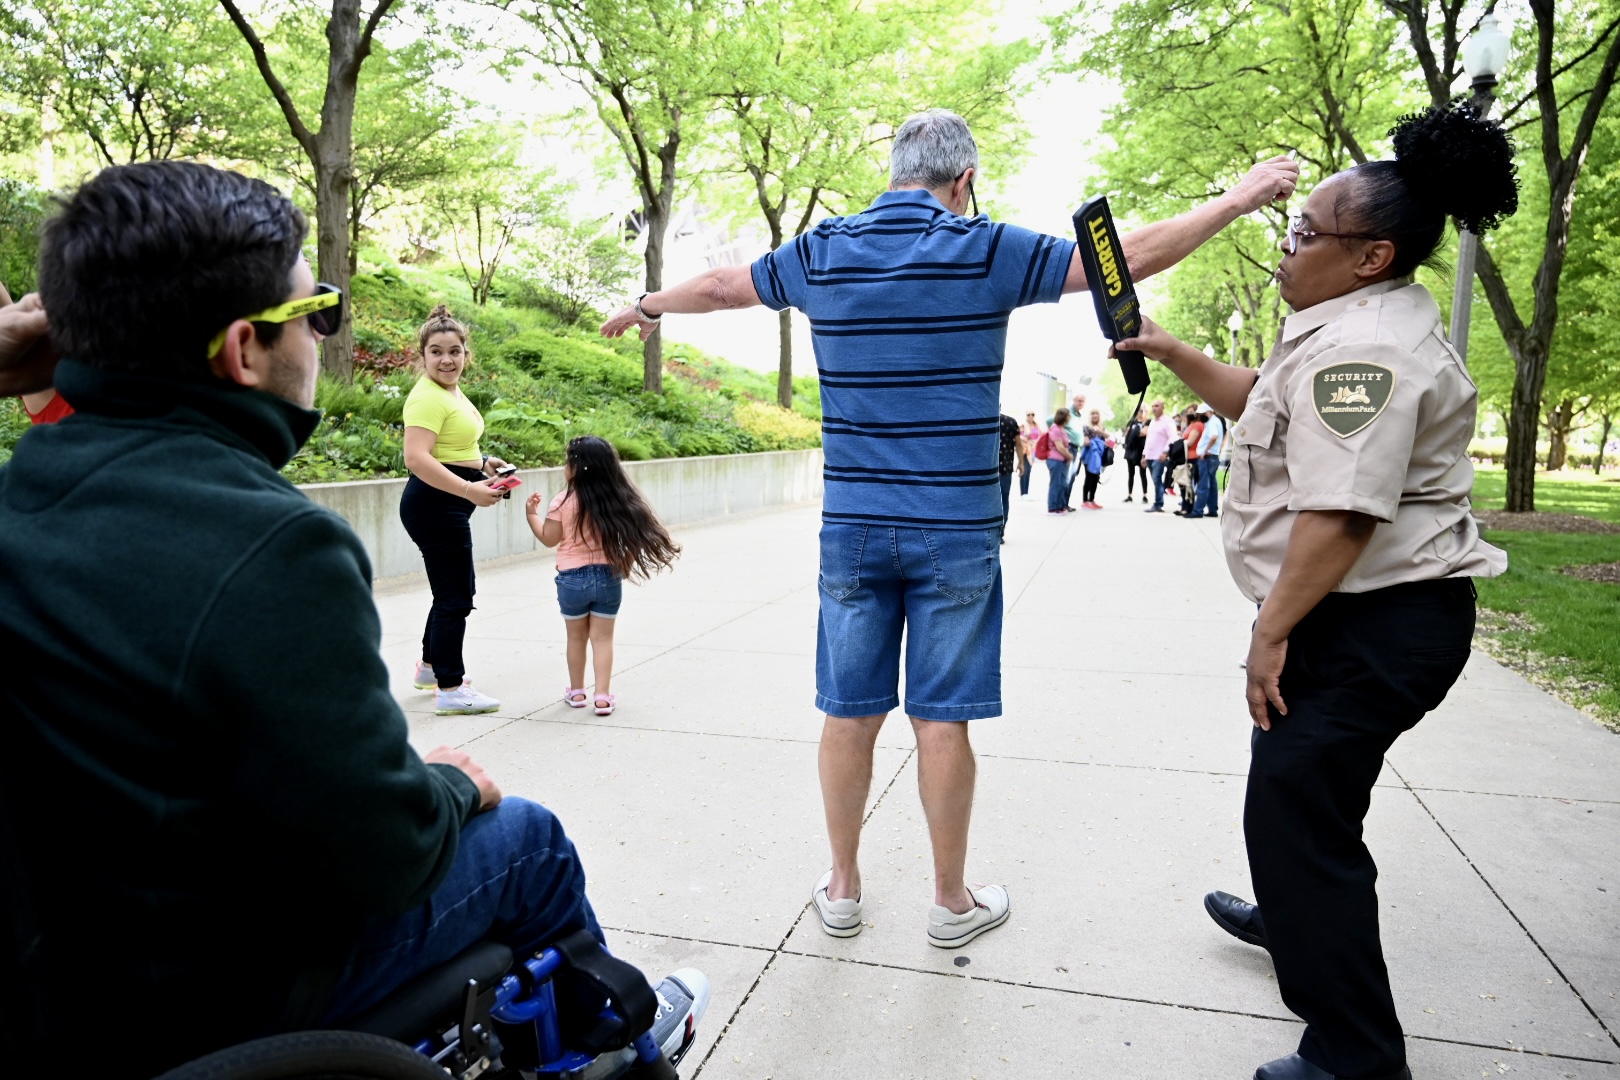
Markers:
<point>1560,631</point>
<point>1565,492</point>
<point>1571,626</point>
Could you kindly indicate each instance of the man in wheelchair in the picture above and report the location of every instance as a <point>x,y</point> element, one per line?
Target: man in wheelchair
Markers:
<point>212,825</point>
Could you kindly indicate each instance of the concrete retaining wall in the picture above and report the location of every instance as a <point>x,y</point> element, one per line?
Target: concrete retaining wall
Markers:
<point>682,490</point>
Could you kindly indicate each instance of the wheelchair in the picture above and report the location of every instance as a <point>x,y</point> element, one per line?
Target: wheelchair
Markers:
<point>476,1015</point>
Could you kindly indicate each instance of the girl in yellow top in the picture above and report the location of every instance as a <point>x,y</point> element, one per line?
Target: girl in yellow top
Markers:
<point>449,479</point>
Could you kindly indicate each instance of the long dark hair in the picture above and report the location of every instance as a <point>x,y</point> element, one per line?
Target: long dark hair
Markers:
<point>1449,162</point>
<point>612,510</point>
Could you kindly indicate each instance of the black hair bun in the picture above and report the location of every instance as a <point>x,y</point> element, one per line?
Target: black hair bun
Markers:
<point>1459,163</point>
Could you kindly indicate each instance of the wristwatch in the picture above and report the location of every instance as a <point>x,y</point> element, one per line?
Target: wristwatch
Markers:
<point>642,314</point>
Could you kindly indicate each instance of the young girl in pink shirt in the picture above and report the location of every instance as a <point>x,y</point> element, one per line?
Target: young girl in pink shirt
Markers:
<point>604,532</point>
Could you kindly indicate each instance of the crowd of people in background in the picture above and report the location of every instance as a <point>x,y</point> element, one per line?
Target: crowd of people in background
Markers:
<point>1183,453</point>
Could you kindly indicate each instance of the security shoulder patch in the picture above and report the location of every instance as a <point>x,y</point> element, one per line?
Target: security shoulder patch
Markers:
<point>1349,396</point>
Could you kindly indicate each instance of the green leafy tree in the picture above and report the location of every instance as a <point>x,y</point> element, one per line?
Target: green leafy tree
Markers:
<point>349,32</point>
<point>817,87</point>
<point>1209,90</point>
<point>405,122</point>
<point>650,72</point>
<point>492,205</point>
<point>582,265</point>
<point>1569,60</point>
<point>805,79</point>
<point>137,81</point>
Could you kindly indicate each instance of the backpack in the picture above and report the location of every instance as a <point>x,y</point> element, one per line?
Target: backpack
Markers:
<point>1108,455</point>
<point>1043,446</point>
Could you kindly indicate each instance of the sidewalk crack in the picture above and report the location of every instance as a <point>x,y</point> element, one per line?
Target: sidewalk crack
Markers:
<point>1514,915</point>
<point>781,946</point>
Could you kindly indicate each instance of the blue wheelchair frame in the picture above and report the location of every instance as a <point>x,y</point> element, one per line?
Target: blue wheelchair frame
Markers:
<point>465,1049</point>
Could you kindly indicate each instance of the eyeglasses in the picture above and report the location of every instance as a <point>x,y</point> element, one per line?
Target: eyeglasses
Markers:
<point>324,308</point>
<point>1297,232</point>
<point>971,195</point>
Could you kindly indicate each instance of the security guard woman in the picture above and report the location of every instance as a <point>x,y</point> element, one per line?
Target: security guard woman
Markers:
<point>1347,521</point>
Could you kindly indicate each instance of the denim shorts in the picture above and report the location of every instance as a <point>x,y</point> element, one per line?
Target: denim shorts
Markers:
<point>589,590</point>
<point>941,588</point>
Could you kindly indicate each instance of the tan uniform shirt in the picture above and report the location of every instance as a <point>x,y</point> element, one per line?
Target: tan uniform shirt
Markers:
<point>1363,405</point>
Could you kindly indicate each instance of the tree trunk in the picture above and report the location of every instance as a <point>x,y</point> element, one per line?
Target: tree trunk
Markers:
<point>1558,425</point>
<point>334,176</point>
<point>1524,424</point>
<point>1603,441</point>
<point>332,255</point>
<point>784,361</point>
<point>652,350</point>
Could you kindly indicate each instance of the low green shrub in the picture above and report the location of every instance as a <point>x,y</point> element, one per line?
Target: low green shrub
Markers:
<point>775,428</point>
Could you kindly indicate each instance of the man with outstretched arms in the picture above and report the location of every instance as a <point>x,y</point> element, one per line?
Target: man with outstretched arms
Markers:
<point>908,303</point>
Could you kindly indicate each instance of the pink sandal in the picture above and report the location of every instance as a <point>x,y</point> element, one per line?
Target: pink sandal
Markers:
<point>612,703</point>
<point>568,697</point>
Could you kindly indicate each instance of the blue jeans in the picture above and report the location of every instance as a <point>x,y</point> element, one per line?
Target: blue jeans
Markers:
<point>941,589</point>
<point>1057,485</point>
<point>1157,469</point>
<point>1208,501</point>
<point>516,879</point>
<point>589,590</point>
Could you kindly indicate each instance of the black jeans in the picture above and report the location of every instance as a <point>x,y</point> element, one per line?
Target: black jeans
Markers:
<point>440,525</point>
<point>1133,468</point>
<point>1361,669</point>
<point>1006,500</point>
<point>1088,490</point>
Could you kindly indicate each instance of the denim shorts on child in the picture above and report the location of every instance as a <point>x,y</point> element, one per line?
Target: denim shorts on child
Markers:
<point>589,590</point>
<point>941,588</point>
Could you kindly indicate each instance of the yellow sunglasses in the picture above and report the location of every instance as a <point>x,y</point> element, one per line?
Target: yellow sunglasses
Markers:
<point>324,308</point>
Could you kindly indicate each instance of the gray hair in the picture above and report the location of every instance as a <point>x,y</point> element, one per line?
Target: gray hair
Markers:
<point>932,148</point>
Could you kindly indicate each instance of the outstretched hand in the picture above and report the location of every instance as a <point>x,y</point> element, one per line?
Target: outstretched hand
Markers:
<point>1152,340</point>
<point>622,320</point>
<point>1271,181</point>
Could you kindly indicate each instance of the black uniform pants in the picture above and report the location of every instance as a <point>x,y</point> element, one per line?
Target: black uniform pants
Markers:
<point>440,523</point>
<point>1361,668</point>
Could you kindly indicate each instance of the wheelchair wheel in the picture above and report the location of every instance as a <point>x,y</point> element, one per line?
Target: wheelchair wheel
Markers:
<point>312,1055</point>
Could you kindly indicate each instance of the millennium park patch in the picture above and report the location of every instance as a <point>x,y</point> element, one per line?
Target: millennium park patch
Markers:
<point>1348,397</point>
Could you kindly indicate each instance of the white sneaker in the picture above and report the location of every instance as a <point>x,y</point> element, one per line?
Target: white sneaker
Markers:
<point>948,930</point>
<point>425,679</point>
<point>683,998</point>
<point>840,918</point>
<point>463,701</point>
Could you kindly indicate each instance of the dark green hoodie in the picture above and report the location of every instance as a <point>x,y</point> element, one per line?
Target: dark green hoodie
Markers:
<point>203,766</point>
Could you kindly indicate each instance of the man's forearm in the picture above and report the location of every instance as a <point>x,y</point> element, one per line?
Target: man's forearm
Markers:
<point>719,289</point>
<point>1161,245</point>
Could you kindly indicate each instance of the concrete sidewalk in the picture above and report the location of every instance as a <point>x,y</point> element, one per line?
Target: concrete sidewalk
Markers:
<point>1109,801</point>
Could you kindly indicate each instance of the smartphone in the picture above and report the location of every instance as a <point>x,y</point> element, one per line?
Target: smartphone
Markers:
<point>505,482</point>
<point>509,470</point>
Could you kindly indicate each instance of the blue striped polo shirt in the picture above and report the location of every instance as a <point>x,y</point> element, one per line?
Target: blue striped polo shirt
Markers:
<point>908,307</point>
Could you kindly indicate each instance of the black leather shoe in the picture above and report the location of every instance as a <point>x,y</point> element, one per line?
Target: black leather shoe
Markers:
<point>1294,1067</point>
<point>1237,917</point>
